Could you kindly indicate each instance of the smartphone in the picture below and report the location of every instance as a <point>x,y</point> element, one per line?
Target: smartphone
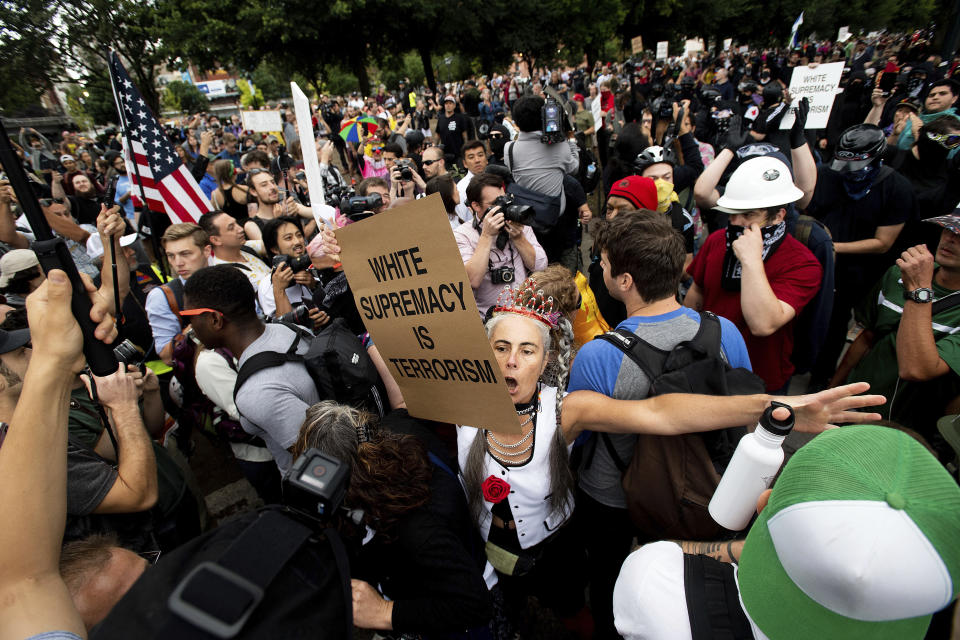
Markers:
<point>887,81</point>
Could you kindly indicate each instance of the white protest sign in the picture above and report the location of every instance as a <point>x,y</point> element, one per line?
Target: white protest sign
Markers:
<point>261,120</point>
<point>692,46</point>
<point>597,112</point>
<point>662,50</point>
<point>745,49</point>
<point>819,86</point>
<point>843,34</point>
<point>727,43</point>
<point>322,212</point>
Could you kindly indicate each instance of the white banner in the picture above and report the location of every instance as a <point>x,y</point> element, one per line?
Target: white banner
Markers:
<point>261,120</point>
<point>819,85</point>
<point>662,50</point>
<point>843,34</point>
<point>322,212</point>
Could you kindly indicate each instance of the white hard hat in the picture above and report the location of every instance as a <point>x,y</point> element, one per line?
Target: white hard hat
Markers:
<point>759,183</point>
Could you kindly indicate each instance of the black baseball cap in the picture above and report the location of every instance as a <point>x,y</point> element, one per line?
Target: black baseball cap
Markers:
<point>10,340</point>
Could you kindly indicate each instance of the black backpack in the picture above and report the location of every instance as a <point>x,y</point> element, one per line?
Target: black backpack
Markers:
<point>670,479</point>
<point>589,172</point>
<point>263,575</point>
<point>336,361</point>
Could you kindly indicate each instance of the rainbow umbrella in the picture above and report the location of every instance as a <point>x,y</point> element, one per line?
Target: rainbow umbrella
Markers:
<point>350,129</point>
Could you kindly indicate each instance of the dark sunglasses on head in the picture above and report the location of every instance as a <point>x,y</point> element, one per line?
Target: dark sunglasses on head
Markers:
<point>257,171</point>
<point>46,202</point>
<point>946,140</point>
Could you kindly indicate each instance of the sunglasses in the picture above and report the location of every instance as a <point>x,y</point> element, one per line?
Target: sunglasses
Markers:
<point>46,202</point>
<point>427,163</point>
<point>257,171</point>
<point>946,140</point>
<point>198,311</point>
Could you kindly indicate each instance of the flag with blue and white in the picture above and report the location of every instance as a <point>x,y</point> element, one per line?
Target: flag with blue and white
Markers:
<point>794,42</point>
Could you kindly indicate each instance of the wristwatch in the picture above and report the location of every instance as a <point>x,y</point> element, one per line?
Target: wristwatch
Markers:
<point>921,295</point>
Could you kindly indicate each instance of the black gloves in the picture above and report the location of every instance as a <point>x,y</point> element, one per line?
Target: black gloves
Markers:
<point>797,138</point>
<point>736,135</point>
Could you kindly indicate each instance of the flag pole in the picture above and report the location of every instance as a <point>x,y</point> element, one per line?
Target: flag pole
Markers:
<point>154,241</point>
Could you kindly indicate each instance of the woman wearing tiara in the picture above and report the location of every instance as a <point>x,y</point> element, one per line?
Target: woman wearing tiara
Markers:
<point>519,486</point>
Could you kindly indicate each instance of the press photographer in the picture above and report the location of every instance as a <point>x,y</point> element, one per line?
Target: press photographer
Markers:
<point>293,280</point>
<point>491,264</point>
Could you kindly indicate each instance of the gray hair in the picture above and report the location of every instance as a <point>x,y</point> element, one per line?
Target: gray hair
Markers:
<point>561,478</point>
<point>335,429</point>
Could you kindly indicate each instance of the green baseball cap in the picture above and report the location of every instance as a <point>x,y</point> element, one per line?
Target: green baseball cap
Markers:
<point>860,539</point>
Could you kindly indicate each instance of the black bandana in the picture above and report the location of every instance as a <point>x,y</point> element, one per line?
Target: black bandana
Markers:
<point>773,235</point>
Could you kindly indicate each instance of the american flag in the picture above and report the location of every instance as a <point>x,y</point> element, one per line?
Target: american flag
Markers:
<point>167,183</point>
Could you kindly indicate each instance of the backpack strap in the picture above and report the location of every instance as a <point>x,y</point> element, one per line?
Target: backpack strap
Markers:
<point>218,597</point>
<point>267,360</point>
<point>713,600</point>
<point>173,290</point>
<point>945,303</point>
<point>649,358</point>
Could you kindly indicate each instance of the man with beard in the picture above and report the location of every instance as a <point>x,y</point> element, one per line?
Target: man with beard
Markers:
<point>264,188</point>
<point>124,194</point>
<point>753,272</point>
<point>84,205</point>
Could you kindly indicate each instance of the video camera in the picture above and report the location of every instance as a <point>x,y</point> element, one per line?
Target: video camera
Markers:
<point>296,264</point>
<point>315,485</point>
<point>552,116</point>
<point>662,106</point>
<point>360,207</point>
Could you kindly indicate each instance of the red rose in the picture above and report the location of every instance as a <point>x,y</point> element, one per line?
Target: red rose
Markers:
<point>495,490</point>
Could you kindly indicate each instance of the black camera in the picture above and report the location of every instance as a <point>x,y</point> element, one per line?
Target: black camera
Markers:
<point>512,212</point>
<point>129,353</point>
<point>552,116</point>
<point>299,315</point>
<point>296,264</point>
<point>503,275</point>
<point>405,167</point>
<point>483,130</point>
<point>301,175</point>
<point>360,207</point>
<point>284,160</point>
<point>315,485</point>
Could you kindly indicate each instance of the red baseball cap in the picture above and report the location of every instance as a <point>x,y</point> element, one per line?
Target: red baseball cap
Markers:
<point>578,97</point>
<point>640,191</point>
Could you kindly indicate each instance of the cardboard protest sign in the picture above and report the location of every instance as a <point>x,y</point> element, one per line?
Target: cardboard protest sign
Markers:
<point>412,291</point>
<point>261,120</point>
<point>819,85</point>
<point>311,164</point>
<point>636,45</point>
<point>662,50</point>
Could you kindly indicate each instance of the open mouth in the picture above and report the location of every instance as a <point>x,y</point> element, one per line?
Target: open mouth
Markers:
<point>511,384</point>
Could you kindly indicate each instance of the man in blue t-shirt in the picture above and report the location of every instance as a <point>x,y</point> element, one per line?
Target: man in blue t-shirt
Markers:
<point>642,258</point>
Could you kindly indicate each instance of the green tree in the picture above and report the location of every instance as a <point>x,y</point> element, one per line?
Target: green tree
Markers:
<point>250,99</point>
<point>183,96</point>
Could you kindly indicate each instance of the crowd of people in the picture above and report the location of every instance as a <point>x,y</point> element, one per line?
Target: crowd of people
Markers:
<point>796,265</point>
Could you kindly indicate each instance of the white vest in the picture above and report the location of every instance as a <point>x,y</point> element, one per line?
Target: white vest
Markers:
<point>529,496</point>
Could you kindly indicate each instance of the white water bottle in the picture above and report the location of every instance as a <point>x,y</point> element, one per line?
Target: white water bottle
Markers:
<point>751,470</point>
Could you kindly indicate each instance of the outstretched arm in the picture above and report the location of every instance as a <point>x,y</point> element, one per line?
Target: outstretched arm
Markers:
<point>679,413</point>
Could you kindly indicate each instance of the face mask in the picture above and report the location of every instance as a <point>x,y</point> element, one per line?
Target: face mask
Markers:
<point>666,196</point>
<point>772,235</point>
<point>858,183</point>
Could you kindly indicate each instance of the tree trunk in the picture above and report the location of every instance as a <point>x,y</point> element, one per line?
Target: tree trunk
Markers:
<point>427,63</point>
<point>358,65</point>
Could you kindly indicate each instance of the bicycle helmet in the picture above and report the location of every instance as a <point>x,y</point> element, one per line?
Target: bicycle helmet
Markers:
<point>654,155</point>
<point>858,147</point>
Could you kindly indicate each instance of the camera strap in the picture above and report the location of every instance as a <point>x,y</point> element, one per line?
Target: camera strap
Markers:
<point>216,598</point>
